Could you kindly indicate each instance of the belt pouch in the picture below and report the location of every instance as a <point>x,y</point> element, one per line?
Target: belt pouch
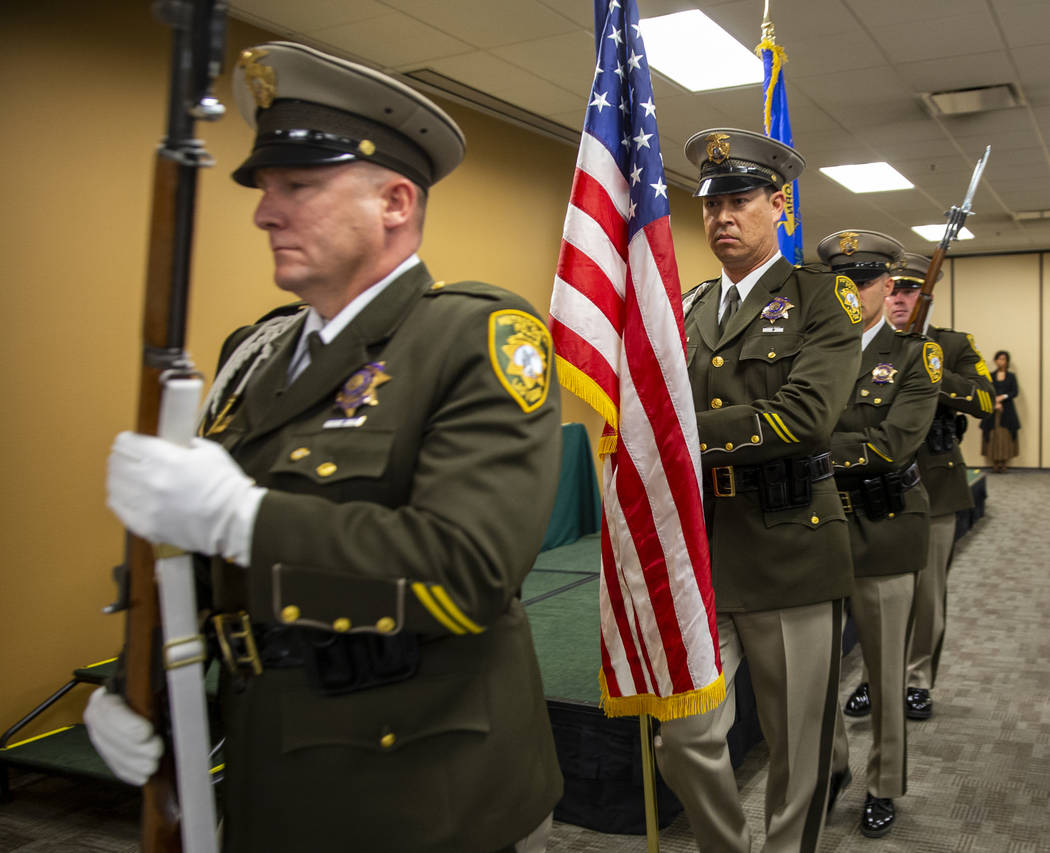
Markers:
<point>894,491</point>
<point>773,485</point>
<point>873,494</point>
<point>799,485</point>
<point>338,663</point>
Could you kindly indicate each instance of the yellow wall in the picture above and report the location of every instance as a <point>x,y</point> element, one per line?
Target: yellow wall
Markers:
<point>86,88</point>
<point>1000,300</point>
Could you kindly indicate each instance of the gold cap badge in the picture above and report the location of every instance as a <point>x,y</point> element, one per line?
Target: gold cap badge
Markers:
<point>718,147</point>
<point>849,242</point>
<point>261,79</point>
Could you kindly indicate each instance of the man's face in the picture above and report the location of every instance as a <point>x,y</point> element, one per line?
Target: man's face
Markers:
<point>873,295</point>
<point>899,305</point>
<point>741,228</point>
<point>324,222</point>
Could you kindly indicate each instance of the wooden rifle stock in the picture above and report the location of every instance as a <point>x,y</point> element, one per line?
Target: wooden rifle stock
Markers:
<point>198,28</point>
<point>921,309</point>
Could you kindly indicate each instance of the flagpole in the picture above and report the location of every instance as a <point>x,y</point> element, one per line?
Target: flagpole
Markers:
<point>652,823</point>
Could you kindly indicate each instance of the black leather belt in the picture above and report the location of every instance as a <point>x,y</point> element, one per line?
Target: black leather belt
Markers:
<point>878,496</point>
<point>335,663</point>
<point>781,483</point>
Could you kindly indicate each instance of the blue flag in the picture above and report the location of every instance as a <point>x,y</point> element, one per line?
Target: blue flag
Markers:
<point>777,125</point>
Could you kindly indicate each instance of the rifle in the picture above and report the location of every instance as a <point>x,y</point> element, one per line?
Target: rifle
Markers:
<point>167,374</point>
<point>956,217</point>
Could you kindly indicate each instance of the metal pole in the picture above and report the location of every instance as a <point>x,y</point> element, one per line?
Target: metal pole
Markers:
<point>652,823</point>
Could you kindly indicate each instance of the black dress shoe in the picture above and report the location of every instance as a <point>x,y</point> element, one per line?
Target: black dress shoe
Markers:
<point>839,782</point>
<point>917,704</point>
<point>877,817</point>
<point>859,703</point>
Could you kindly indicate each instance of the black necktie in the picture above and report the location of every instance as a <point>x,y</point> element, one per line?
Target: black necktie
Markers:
<point>314,344</point>
<point>732,303</point>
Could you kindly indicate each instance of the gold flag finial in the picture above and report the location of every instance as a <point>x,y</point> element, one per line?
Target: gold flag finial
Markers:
<point>767,27</point>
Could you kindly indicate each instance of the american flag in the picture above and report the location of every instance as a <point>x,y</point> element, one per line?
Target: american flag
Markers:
<point>616,318</point>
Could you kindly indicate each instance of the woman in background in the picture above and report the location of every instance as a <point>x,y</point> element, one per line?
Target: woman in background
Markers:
<point>1000,428</point>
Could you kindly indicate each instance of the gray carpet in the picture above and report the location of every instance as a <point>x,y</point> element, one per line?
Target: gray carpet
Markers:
<point>979,777</point>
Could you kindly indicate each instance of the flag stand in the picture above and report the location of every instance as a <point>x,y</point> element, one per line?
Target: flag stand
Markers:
<point>652,823</point>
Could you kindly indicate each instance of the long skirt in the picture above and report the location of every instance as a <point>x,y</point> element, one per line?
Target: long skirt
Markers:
<point>999,446</point>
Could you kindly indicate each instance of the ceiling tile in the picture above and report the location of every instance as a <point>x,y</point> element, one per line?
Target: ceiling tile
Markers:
<point>1024,23</point>
<point>567,60</point>
<point>483,71</point>
<point>304,17</point>
<point>392,40</point>
<point>889,13</point>
<point>958,35</point>
<point>487,23</point>
<point>939,75</point>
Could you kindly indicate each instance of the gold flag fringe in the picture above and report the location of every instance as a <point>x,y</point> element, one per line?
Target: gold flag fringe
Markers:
<point>779,58</point>
<point>698,701</point>
<point>580,384</point>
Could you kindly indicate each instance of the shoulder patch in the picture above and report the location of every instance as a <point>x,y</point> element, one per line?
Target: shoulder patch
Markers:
<point>849,298</point>
<point>521,351</point>
<point>982,366</point>
<point>933,360</point>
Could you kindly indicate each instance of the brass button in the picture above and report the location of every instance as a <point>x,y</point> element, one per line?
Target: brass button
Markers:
<point>716,403</point>
<point>864,392</point>
<point>878,399</point>
<point>718,361</point>
<point>755,439</point>
<point>771,354</point>
<point>342,625</point>
<point>953,394</point>
<point>366,147</point>
<point>846,464</point>
<point>814,519</point>
<point>892,515</point>
<point>299,453</point>
<point>951,464</point>
<point>290,613</point>
<point>729,445</point>
<point>388,740</point>
<point>326,469</point>
<point>703,445</point>
<point>969,396</point>
<point>861,461</point>
<point>385,625</point>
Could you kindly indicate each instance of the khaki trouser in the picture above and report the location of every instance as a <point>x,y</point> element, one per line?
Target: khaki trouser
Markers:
<point>931,591</point>
<point>882,608</point>
<point>794,657</point>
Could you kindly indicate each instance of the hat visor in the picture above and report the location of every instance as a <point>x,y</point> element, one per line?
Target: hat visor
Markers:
<point>861,275</point>
<point>906,284</point>
<point>287,155</point>
<point>724,184</point>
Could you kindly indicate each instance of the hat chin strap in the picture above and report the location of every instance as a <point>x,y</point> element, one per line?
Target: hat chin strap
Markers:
<point>726,184</point>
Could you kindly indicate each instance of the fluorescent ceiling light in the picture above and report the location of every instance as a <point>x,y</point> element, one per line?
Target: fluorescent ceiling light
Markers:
<point>868,177</point>
<point>935,232</point>
<point>698,54</point>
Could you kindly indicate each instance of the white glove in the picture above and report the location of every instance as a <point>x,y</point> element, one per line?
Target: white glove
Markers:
<point>196,498</point>
<point>124,739</point>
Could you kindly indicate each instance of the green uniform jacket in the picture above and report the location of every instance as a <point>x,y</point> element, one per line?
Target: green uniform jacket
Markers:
<point>889,415</point>
<point>762,395</point>
<point>413,467</point>
<point>966,387</point>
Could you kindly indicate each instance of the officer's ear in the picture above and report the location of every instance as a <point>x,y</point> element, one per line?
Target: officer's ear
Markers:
<point>778,201</point>
<point>401,200</point>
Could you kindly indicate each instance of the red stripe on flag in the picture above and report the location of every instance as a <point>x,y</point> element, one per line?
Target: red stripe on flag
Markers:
<point>582,355</point>
<point>576,267</point>
<point>619,610</point>
<point>592,198</point>
<point>654,570</point>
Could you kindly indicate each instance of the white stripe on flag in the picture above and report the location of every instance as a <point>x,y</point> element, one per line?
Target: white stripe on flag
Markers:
<point>596,161</point>
<point>576,312</point>
<point>584,232</point>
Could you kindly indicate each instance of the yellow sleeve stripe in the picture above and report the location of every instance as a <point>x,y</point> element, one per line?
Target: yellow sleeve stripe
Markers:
<point>425,599</point>
<point>776,429</point>
<point>455,612</point>
<point>783,426</point>
<point>877,451</point>
<point>986,401</point>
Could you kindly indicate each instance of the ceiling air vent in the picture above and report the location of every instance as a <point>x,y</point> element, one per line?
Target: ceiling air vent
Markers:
<point>978,100</point>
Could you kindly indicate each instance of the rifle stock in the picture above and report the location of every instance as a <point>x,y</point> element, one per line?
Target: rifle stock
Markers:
<point>198,35</point>
<point>917,320</point>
